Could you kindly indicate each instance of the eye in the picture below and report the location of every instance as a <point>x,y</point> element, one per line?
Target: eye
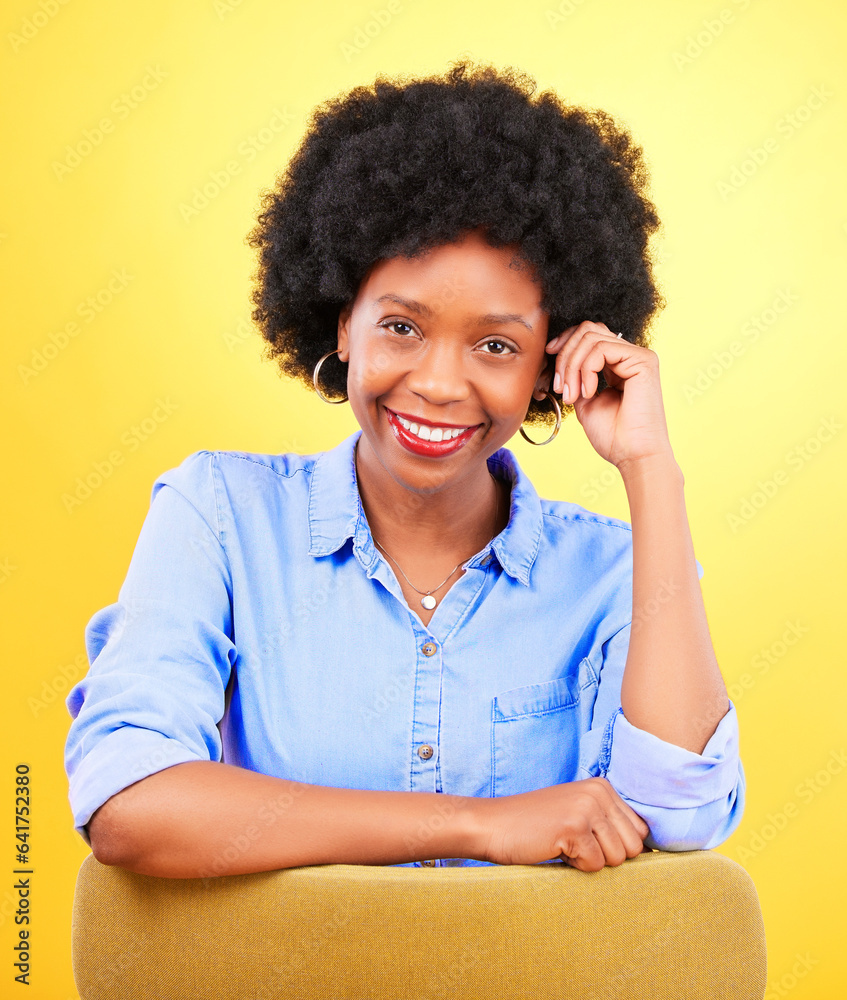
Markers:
<point>399,327</point>
<point>497,347</point>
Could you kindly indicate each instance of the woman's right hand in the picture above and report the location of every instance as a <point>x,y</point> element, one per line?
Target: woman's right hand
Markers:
<point>585,823</point>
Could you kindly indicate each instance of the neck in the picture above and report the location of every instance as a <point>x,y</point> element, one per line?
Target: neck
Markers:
<point>451,523</point>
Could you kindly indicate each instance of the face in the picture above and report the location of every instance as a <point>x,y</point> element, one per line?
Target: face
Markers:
<point>445,352</point>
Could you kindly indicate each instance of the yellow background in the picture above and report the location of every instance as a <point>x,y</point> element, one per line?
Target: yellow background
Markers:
<point>742,119</point>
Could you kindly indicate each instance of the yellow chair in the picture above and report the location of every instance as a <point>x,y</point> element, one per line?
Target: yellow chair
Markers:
<point>677,926</point>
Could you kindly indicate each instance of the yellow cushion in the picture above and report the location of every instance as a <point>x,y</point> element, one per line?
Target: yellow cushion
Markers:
<point>682,926</point>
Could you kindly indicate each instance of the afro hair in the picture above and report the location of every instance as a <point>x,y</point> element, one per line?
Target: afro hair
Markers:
<point>403,166</point>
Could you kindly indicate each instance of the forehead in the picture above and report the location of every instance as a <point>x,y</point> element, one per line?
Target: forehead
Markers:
<point>469,274</point>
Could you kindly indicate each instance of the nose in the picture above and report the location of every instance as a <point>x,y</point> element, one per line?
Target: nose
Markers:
<point>438,374</point>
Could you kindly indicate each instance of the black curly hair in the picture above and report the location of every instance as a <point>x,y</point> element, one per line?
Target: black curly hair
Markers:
<point>405,165</point>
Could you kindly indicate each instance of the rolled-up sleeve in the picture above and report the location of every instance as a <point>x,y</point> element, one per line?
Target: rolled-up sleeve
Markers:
<point>690,801</point>
<point>160,658</point>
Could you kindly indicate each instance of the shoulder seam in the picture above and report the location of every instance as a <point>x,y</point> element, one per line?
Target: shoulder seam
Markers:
<point>245,458</point>
<point>186,499</point>
<point>598,519</point>
<point>213,470</point>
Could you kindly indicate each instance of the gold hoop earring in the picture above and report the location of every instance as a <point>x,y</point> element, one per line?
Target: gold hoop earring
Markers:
<point>558,410</point>
<point>315,375</point>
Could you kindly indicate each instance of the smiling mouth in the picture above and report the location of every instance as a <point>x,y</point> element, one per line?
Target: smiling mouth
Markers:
<point>429,439</point>
<point>429,432</point>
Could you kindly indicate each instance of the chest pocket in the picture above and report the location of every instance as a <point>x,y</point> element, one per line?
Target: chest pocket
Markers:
<point>535,734</point>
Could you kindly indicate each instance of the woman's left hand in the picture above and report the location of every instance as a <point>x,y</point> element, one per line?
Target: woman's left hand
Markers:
<point>625,422</point>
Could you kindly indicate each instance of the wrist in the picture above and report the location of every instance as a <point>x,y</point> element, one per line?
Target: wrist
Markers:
<point>474,828</point>
<point>660,468</point>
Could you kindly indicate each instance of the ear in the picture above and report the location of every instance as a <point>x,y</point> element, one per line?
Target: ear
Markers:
<point>545,378</point>
<point>344,333</point>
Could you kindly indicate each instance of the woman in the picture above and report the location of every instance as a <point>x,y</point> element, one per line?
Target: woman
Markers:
<point>393,652</point>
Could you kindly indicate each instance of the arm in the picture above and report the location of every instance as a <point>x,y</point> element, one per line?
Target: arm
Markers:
<point>672,685</point>
<point>671,750</point>
<point>205,818</point>
<point>202,818</point>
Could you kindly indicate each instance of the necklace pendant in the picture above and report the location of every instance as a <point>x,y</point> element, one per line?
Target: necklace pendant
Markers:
<point>428,601</point>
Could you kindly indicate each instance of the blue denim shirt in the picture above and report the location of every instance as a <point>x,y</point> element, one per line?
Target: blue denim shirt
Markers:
<point>259,625</point>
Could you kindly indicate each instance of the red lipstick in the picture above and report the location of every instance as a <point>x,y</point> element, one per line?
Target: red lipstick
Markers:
<point>429,449</point>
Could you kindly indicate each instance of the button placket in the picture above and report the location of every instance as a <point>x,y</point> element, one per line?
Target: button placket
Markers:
<point>425,729</point>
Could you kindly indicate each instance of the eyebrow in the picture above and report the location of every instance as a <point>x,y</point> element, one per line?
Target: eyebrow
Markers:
<point>496,319</point>
<point>490,319</point>
<point>410,304</point>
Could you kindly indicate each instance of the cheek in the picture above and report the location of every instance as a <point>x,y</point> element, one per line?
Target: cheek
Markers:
<point>513,392</point>
<point>369,368</point>
<point>369,377</point>
<point>365,378</point>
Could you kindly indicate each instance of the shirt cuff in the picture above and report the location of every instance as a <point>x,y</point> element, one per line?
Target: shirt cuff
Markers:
<point>643,768</point>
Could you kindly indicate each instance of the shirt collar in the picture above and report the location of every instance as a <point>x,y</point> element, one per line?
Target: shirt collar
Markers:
<point>336,515</point>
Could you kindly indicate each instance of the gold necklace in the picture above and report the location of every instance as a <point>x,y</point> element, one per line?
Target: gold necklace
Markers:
<point>427,600</point>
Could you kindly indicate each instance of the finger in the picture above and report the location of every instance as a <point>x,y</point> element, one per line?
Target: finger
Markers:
<point>572,335</point>
<point>594,362</point>
<point>559,340</point>
<point>565,344</point>
<point>641,828</point>
<point>602,846</point>
<point>565,374</point>
<point>586,855</point>
<point>634,821</point>
<point>580,342</point>
<point>615,802</point>
<point>584,355</point>
<point>631,837</point>
<point>616,842</point>
<point>617,837</point>
<point>630,819</point>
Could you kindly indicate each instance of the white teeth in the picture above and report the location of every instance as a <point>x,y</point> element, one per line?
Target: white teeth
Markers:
<point>426,433</point>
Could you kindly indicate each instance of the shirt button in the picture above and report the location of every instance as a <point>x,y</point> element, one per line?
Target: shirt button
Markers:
<point>429,648</point>
<point>425,752</point>
<point>428,864</point>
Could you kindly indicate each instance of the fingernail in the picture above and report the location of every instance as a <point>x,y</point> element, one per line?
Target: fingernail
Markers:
<point>564,391</point>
